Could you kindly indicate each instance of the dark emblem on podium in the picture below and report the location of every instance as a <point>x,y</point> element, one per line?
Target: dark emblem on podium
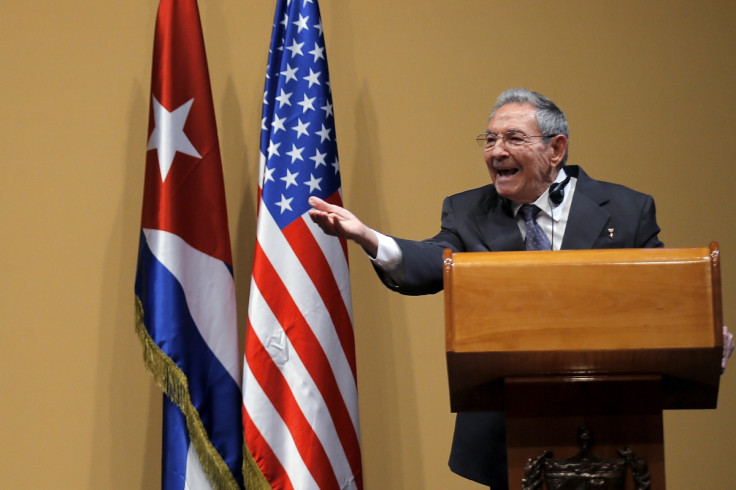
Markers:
<point>585,471</point>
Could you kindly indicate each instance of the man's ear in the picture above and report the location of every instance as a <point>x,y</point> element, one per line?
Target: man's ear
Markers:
<point>558,144</point>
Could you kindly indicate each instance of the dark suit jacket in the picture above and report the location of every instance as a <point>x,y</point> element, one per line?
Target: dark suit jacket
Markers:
<point>479,220</point>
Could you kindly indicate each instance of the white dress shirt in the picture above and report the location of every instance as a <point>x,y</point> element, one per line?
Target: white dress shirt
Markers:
<point>552,219</point>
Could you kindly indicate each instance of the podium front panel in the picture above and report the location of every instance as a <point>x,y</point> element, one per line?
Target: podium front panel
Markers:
<point>622,311</point>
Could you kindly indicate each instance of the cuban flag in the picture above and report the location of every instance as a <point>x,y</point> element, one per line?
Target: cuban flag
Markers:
<point>299,382</point>
<point>185,296</point>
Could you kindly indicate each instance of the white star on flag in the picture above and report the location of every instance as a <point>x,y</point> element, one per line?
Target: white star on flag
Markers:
<point>312,78</point>
<point>168,136</point>
<point>327,108</point>
<point>269,175</point>
<point>278,123</point>
<point>289,73</point>
<point>324,134</point>
<point>295,48</point>
<point>295,153</point>
<point>318,52</point>
<point>319,158</point>
<point>285,203</point>
<point>300,128</point>
<point>284,98</point>
<point>313,183</point>
<point>290,178</point>
<point>307,104</point>
<point>301,23</point>
<point>273,149</point>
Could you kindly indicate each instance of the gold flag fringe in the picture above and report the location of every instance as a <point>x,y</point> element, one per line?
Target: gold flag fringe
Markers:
<point>254,478</point>
<point>174,383</point>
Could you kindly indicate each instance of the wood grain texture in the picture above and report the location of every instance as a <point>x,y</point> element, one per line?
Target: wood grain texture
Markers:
<point>586,312</point>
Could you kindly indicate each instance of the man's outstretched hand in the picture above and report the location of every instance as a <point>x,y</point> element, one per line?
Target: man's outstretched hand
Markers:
<point>337,221</point>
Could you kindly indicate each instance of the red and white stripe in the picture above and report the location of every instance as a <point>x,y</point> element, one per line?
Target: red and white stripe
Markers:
<point>299,383</point>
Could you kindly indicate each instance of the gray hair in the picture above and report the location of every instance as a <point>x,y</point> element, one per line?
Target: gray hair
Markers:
<point>551,121</point>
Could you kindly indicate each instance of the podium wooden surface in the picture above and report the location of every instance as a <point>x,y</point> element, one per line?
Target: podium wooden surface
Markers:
<point>605,338</point>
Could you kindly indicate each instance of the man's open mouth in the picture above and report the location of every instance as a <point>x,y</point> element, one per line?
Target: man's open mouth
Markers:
<point>506,172</point>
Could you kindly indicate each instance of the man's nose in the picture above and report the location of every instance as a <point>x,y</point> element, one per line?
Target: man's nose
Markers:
<point>498,152</point>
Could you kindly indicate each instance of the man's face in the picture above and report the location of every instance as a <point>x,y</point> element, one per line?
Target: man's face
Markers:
<point>522,173</point>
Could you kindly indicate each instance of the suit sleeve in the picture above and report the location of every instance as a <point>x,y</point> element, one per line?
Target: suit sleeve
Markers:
<point>420,271</point>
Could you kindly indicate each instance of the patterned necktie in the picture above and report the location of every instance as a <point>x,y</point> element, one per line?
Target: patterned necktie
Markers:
<point>536,239</point>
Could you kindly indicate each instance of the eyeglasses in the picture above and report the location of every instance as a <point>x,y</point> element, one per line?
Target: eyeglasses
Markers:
<point>512,138</point>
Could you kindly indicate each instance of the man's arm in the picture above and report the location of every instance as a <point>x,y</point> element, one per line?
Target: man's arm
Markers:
<point>339,222</point>
<point>414,268</point>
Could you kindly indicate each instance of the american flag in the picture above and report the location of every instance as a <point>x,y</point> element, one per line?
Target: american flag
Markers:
<point>185,294</point>
<point>299,383</point>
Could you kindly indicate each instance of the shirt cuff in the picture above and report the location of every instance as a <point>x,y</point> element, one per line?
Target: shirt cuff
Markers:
<point>388,255</point>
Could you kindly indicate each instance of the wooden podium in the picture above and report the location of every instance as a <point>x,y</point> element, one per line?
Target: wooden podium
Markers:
<point>605,339</point>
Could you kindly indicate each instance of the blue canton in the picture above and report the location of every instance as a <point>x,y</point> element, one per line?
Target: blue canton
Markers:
<point>298,125</point>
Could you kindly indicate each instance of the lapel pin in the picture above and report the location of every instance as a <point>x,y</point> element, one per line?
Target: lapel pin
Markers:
<point>610,233</point>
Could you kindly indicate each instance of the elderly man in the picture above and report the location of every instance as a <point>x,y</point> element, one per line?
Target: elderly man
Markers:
<point>535,202</point>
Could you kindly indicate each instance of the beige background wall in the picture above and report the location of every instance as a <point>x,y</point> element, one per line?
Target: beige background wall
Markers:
<point>648,89</point>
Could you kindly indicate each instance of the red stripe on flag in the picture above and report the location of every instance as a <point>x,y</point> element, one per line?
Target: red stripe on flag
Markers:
<point>307,346</point>
<point>264,456</point>
<point>313,259</point>
<point>277,389</point>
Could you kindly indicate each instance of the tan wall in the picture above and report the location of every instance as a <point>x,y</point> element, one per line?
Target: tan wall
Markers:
<point>648,89</point>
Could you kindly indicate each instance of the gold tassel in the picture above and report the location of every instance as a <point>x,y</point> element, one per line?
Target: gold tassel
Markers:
<point>173,382</point>
<point>254,479</point>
